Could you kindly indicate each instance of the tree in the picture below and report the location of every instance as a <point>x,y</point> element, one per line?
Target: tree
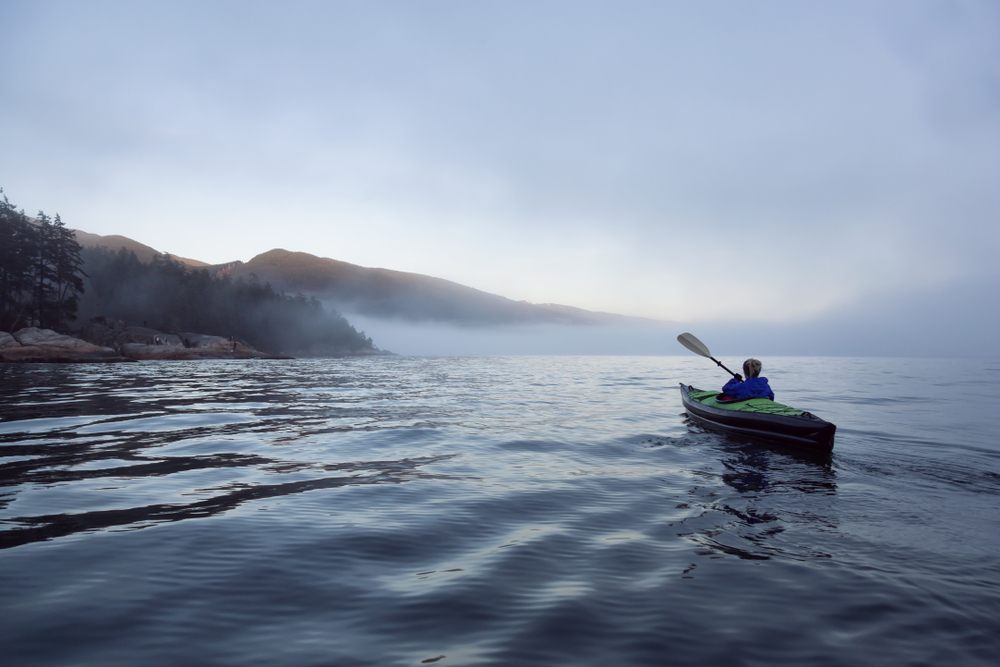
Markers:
<point>42,270</point>
<point>18,238</point>
<point>68,274</point>
<point>41,275</point>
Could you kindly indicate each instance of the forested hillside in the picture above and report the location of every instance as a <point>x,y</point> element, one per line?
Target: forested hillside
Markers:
<point>168,296</point>
<point>47,280</point>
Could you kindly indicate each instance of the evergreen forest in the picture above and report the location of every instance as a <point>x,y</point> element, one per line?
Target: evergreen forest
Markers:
<point>168,296</point>
<point>41,272</point>
<point>48,280</point>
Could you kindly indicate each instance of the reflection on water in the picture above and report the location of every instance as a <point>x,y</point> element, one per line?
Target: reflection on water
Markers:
<point>57,525</point>
<point>749,521</point>
<point>528,511</point>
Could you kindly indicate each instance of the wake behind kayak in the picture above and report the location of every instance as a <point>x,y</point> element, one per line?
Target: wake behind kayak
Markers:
<point>761,419</point>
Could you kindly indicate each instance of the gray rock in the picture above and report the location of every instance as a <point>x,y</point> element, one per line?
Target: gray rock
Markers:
<point>46,338</point>
<point>142,352</point>
<point>206,342</point>
<point>36,345</point>
<point>32,344</point>
<point>147,336</point>
<point>6,340</point>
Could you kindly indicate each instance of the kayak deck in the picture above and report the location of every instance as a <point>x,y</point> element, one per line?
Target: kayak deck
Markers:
<point>760,418</point>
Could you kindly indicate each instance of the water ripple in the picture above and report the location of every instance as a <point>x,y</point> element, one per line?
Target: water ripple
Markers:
<point>529,511</point>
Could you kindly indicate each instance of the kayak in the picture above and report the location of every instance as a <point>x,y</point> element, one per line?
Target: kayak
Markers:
<point>760,418</point>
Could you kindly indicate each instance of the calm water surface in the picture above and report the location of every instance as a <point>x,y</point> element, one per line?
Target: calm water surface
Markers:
<point>498,511</point>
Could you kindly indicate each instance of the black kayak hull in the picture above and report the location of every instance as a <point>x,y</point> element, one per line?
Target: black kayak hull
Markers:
<point>806,432</point>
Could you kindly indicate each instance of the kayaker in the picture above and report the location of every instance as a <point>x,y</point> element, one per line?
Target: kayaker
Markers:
<point>754,386</point>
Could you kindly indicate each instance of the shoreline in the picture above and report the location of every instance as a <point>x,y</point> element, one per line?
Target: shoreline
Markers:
<point>32,345</point>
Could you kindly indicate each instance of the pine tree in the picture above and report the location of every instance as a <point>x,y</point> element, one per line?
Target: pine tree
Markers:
<point>67,273</point>
<point>18,238</point>
<point>41,270</point>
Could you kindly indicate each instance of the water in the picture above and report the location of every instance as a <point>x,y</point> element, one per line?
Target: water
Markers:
<point>499,511</point>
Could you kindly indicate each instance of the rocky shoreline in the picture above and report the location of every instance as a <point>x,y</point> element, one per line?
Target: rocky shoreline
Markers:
<point>102,343</point>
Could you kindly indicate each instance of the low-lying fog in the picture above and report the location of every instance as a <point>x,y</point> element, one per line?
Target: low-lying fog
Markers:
<point>651,338</point>
<point>436,339</point>
<point>943,323</point>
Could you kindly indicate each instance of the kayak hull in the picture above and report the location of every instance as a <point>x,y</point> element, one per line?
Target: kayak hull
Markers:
<point>805,431</point>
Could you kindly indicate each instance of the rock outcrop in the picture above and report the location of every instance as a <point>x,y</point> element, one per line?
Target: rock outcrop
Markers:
<point>32,344</point>
<point>139,345</point>
<point>145,343</point>
<point>117,342</point>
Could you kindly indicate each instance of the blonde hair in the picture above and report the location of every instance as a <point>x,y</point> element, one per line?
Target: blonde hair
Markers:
<point>751,368</point>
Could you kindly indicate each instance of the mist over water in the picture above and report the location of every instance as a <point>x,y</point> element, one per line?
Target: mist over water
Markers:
<point>493,510</point>
<point>959,327</point>
<point>427,338</point>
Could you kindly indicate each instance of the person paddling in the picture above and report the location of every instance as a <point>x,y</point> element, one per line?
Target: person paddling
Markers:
<point>754,386</point>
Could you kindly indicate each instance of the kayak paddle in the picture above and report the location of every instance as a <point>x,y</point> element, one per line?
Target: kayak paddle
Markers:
<point>691,342</point>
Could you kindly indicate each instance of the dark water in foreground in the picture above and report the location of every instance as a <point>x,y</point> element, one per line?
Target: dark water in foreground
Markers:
<point>507,511</point>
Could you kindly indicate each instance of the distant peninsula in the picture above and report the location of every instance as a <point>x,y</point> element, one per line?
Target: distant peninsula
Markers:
<point>137,302</point>
<point>112,298</point>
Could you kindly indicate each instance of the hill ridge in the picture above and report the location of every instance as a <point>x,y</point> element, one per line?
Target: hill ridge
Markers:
<point>375,291</point>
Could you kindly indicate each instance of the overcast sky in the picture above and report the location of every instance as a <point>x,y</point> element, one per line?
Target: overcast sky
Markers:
<point>775,161</point>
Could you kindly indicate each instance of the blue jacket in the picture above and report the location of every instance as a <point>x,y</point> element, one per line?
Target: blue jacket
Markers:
<point>752,388</point>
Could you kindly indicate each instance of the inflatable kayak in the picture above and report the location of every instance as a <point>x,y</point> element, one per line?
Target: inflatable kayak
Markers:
<point>760,418</point>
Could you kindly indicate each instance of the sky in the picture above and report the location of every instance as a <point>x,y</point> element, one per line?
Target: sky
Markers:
<point>785,165</point>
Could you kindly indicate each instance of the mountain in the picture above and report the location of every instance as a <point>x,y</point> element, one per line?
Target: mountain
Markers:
<point>384,293</point>
<point>114,242</point>
<point>376,292</point>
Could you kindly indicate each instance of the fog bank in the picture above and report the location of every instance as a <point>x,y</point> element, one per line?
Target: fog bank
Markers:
<point>952,321</point>
<point>436,339</point>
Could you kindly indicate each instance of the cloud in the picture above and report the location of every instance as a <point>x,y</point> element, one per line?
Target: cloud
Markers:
<point>764,161</point>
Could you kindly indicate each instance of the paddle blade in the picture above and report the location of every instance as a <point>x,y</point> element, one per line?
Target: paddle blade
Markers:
<point>691,342</point>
